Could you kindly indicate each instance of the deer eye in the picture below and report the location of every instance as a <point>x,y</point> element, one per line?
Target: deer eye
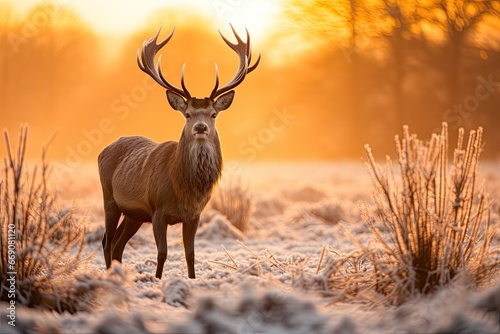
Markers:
<point>187,115</point>
<point>214,115</point>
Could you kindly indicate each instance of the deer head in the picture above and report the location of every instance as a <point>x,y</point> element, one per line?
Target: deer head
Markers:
<point>200,114</point>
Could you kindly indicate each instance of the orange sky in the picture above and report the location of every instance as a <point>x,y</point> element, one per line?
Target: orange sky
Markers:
<point>118,18</point>
<point>120,22</point>
<point>321,96</point>
<point>123,17</point>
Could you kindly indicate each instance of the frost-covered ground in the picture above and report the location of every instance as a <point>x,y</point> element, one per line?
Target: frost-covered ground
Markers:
<point>263,281</point>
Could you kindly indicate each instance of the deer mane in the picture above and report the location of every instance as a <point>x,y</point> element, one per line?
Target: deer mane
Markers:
<point>198,167</point>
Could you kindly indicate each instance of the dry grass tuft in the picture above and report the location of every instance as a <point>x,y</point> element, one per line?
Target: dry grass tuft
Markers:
<point>437,218</point>
<point>233,201</point>
<point>42,247</point>
<point>327,211</point>
<point>432,225</point>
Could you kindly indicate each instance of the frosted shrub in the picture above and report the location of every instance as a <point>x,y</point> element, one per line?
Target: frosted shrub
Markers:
<point>43,248</point>
<point>327,211</point>
<point>235,202</point>
<point>437,218</point>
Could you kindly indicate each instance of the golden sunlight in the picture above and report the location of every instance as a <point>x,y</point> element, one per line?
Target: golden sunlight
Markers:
<point>334,75</point>
<point>113,17</point>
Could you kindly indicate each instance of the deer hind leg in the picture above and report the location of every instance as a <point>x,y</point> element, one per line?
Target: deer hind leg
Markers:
<point>112,215</point>
<point>126,230</point>
<point>160,224</point>
<point>188,235</point>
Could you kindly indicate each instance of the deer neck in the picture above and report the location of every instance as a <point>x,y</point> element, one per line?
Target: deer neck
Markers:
<point>198,167</point>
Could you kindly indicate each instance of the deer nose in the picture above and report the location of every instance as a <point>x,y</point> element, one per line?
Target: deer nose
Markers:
<point>201,128</point>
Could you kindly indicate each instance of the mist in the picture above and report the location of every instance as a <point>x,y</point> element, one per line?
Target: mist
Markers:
<point>332,78</point>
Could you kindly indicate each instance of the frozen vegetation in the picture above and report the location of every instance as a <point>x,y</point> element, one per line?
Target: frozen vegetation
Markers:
<point>288,268</point>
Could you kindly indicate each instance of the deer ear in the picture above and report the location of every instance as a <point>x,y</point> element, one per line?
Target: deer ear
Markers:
<point>224,101</point>
<point>176,101</point>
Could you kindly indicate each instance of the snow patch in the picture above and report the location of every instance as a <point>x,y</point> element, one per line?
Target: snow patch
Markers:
<point>219,228</point>
<point>271,311</point>
<point>176,291</point>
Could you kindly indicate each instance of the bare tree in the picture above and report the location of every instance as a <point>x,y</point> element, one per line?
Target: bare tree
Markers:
<point>457,19</point>
<point>51,49</point>
<point>398,18</point>
<point>343,25</point>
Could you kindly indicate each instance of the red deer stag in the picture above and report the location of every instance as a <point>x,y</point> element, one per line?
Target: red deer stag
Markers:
<point>171,182</point>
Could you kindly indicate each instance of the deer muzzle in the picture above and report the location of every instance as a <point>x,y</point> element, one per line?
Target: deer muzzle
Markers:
<point>200,130</point>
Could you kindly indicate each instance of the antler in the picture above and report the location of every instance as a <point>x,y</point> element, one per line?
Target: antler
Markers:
<point>147,63</point>
<point>244,52</point>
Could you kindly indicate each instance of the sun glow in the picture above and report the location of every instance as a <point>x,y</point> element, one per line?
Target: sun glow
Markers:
<point>116,17</point>
<point>256,16</point>
<point>343,84</point>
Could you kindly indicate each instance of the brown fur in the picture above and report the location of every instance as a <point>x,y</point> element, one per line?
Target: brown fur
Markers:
<point>163,183</point>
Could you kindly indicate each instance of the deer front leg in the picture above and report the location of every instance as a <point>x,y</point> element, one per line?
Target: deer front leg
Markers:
<point>127,229</point>
<point>188,234</point>
<point>112,216</point>
<point>160,234</point>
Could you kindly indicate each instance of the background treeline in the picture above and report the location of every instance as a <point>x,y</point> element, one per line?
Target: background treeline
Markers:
<point>335,75</point>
